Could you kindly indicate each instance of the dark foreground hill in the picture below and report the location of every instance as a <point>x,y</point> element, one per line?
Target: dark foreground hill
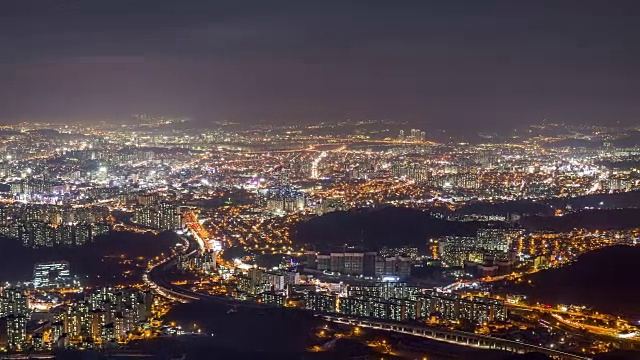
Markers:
<point>389,226</point>
<point>588,219</point>
<point>97,260</point>
<point>604,279</point>
<point>273,330</point>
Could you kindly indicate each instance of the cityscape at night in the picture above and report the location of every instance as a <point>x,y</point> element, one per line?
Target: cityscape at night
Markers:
<point>319,181</point>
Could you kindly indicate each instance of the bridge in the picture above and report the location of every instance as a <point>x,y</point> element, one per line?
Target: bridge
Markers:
<point>454,337</point>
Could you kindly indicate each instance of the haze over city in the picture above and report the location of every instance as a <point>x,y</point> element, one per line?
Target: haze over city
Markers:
<point>479,65</point>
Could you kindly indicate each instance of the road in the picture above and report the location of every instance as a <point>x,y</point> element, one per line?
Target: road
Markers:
<point>199,233</point>
<point>557,315</point>
<point>452,336</point>
<point>154,277</point>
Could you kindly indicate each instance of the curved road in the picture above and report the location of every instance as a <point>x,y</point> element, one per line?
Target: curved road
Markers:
<point>154,277</point>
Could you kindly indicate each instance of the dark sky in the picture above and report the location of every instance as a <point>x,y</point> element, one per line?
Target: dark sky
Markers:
<point>474,63</point>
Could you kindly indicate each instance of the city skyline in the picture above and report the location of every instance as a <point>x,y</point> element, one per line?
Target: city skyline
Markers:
<point>118,232</point>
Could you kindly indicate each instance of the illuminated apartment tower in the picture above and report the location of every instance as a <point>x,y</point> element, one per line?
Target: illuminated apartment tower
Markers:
<point>16,332</point>
<point>319,302</point>
<point>447,306</point>
<point>163,216</point>
<point>57,331</point>
<point>497,239</point>
<point>254,283</point>
<point>169,218</point>
<point>5,216</point>
<point>354,306</point>
<point>13,302</point>
<point>14,314</point>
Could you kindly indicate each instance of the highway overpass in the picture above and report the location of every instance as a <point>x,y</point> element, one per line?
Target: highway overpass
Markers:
<point>454,337</point>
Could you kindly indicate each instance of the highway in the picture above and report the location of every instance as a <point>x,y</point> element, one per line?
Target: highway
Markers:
<point>199,233</point>
<point>453,337</point>
<point>561,316</point>
<point>154,277</point>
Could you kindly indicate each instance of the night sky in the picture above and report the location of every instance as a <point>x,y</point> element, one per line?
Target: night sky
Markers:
<point>473,64</point>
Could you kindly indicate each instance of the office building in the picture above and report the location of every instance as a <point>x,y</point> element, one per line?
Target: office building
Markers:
<point>53,274</point>
<point>368,264</point>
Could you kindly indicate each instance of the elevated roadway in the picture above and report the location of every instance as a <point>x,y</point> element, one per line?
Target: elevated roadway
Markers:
<point>454,337</point>
<point>154,277</point>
